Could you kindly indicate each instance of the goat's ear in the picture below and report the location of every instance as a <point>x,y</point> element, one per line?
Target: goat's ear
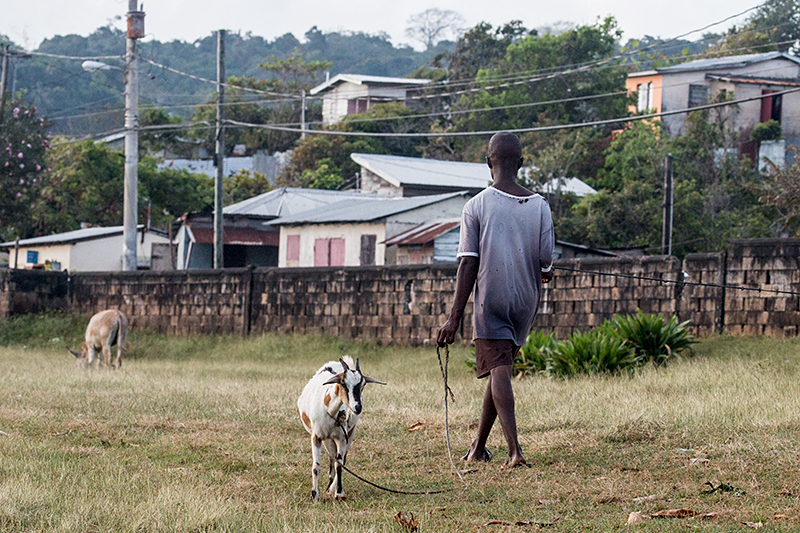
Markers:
<point>73,352</point>
<point>373,380</point>
<point>346,368</point>
<point>334,380</point>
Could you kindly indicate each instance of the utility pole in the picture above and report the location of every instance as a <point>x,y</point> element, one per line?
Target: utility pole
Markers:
<point>3,83</point>
<point>303,113</point>
<point>219,153</point>
<point>666,239</point>
<point>131,200</point>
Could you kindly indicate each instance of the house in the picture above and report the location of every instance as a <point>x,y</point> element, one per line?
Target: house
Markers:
<point>269,165</point>
<point>83,250</point>
<point>700,82</point>
<point>353,231</point>
<point>437,242</point>
<point>246,240</point>
<point>414,176</point>
<point>348,94</point>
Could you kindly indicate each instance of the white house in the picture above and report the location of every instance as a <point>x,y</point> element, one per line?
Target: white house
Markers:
<point>83,250</point>
<point>353,231</point>
<point>347,94</point>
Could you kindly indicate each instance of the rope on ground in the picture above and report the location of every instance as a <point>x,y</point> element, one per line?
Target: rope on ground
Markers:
<point>387,489</point>
<point>447,391</point>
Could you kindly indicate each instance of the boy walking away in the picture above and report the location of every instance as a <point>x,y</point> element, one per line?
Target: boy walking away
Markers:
<point>505,253</point>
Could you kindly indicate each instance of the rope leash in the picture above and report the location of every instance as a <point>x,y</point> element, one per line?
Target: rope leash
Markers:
<point>447,392</point>
<point>387,489</point>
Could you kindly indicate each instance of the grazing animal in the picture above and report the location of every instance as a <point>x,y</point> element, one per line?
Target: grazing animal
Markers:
<point>329,407</point>
<point>105,329</point>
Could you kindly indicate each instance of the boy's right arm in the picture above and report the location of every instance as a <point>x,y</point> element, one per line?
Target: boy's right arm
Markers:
<point>465,280</point>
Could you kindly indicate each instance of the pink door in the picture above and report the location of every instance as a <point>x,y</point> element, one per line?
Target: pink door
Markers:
<point>322,252</point>
<point>337,252</point>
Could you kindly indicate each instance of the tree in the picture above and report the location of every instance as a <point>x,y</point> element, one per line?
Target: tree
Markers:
<point>780,188</point>
<point>775,25</point>
<point>432,25</point>
<point>23,144</point>
<point>243,185</point>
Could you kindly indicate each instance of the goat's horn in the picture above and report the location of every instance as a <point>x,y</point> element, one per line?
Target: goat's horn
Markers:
<point>373,380</point>
<point>332,381</point>
<point>344,364</point>
<point>358,367</point>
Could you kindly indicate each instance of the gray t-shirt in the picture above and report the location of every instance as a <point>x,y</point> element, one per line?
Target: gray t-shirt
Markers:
<point>513,237</point>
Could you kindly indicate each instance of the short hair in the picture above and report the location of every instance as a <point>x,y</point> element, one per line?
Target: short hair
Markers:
<point>505,145</point>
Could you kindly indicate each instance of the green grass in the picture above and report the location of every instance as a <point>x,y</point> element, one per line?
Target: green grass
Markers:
<point>201,434</point>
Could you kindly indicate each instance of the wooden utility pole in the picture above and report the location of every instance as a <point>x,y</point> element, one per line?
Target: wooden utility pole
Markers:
<point>666,239</point>
<point>219,153</point>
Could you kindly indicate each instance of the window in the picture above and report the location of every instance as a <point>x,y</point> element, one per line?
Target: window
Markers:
<point>357,105</point>
<point>368,249</point>
<point>293,248</point>
<point>329,252</point>
<point>645,96</point>
<point>698,95</point>
<point>771,107</point>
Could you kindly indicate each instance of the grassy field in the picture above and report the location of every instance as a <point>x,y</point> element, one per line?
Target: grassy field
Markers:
<point>202,434</point>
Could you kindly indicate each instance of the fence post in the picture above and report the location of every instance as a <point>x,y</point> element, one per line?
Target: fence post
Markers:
<point>247,300</point>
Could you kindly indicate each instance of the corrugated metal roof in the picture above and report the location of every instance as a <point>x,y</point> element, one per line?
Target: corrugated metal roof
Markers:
<point>236,235</point>
<point>754,80</point>
<point>69,237</point>
<point>288,201</point>
<point>717,63</point>
<point>360,79</point>
<point>400,171</point>
<point>363,208</point>
<point>567,186</point>
<point>424,233</point>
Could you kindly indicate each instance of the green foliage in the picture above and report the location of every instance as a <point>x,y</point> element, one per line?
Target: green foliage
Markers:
<point>325,176</point>
<point>52,330</point>
<point>591,353</point>
<point>766,131</point>
<point>653,340</point>
<point>23,143</point>
<point>243,185</point>
<point>535,354</point>
<point>623,343</point>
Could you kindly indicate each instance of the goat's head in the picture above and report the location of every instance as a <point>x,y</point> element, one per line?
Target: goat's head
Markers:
<point>350,384</point>
<point>82,357</point>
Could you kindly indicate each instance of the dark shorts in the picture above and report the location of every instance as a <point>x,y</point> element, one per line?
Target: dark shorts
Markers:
<point>491,353</point>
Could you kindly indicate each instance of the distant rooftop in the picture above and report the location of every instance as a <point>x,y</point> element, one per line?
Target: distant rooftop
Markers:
<point>69,237</point>
<point>400,171</point>
<point>288,201</point>
<point>719,63</point>
<point>362,208</point>
<point>359,79</point>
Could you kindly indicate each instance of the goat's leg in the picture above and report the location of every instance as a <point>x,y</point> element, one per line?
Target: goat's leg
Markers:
<point>341,453</point>
<point>106,355</point>
<point>118,361</point>
<point>331,449</point>
<point>91,354</point>
<point>316,448</point>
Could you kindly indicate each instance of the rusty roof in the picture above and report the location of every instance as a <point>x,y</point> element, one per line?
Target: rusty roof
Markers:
<point>423,233</point>
<point>236,235</point>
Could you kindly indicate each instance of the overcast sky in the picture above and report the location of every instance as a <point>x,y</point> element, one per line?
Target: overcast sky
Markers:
<point>28,22</point>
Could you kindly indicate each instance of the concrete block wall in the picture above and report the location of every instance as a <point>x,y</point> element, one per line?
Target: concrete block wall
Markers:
<point>407,304</point>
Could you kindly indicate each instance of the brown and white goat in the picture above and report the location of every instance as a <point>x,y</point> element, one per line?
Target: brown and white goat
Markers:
<point>329,407</point>
<point>105,329</point>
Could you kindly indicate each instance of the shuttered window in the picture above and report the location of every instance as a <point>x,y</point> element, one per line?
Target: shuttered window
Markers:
<point>293,248</point>
<point>368,249</point>
<point>329,252</point>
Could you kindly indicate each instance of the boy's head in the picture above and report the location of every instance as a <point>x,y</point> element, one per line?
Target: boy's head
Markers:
<point>504,150</point>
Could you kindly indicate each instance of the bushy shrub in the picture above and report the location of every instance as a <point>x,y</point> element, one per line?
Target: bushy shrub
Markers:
<point>591,353</point>
<point>654,341</point>
<point>618,344</point>
<point>766,131</point>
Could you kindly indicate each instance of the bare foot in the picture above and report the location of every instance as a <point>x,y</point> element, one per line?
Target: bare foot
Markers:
<point>483,455</point>
<point>516,462</point>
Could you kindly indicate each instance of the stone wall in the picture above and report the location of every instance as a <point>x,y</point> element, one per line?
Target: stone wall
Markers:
<point>407,304</point>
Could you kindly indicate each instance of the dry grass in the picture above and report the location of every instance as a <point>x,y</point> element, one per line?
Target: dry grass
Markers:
<point>202,435</point>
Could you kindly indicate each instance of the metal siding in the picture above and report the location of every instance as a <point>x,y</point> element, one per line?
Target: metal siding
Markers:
<point>445,247</point>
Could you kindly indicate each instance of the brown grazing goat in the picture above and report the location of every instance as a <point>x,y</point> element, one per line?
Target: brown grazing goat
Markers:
<point>105,329</point>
